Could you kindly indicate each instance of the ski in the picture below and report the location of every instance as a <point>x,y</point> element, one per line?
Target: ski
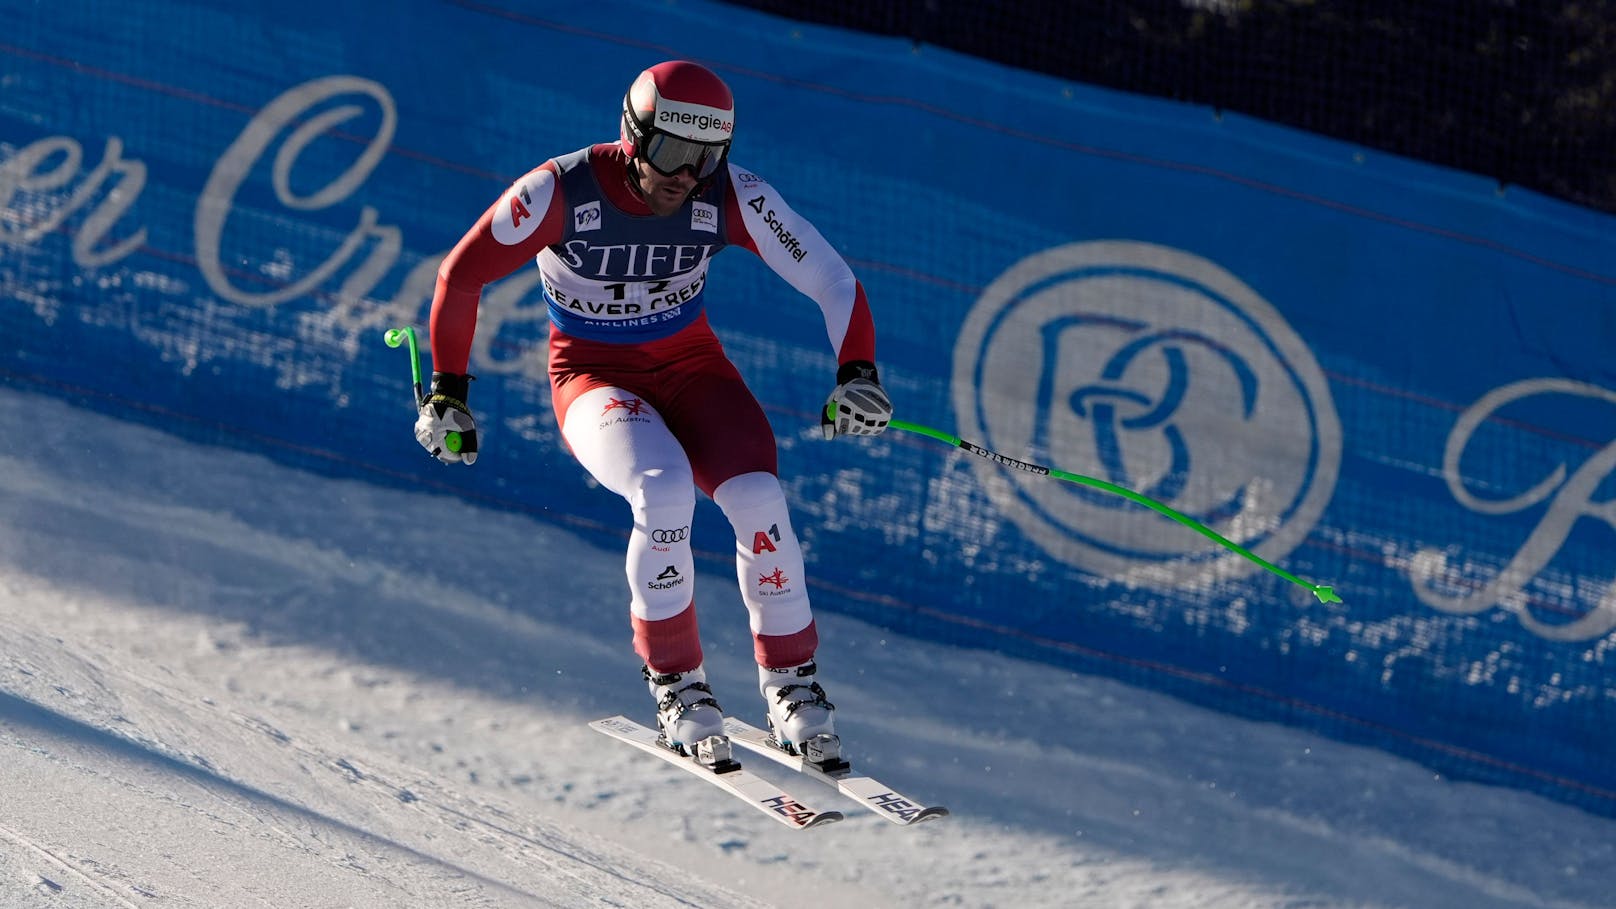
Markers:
<point>867,791</point>
<point>730,776</point>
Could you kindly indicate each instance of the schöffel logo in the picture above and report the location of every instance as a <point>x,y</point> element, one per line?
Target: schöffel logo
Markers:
<point>668,579</point>
<point>1157,371</point>
<point>788,240</point>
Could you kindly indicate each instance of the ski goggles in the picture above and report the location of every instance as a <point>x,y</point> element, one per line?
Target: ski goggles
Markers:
<point>667,155</point>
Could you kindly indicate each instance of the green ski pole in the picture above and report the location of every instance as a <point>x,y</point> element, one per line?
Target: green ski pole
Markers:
<point>397,336</point>
<point>1325,594</point>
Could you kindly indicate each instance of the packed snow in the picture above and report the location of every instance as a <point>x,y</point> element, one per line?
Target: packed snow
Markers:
<point>228,683</point>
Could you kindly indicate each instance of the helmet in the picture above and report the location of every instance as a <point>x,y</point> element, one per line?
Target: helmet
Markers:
<point>678,114</point>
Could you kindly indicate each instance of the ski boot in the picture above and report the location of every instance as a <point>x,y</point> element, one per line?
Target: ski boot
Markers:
<point>690,720</point>
<point>800,717</point>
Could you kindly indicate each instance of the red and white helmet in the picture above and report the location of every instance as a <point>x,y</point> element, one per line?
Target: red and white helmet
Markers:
<point>678,114</point>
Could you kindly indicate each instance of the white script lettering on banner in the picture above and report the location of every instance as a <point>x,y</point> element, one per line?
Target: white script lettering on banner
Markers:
<point>1571,497</point>
<point>230,172</point>
<point>45,184</point>
<point>352,317</point>
<point>30,187</point>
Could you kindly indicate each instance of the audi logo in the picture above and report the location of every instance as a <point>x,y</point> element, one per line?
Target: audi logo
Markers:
<point>670,536</point>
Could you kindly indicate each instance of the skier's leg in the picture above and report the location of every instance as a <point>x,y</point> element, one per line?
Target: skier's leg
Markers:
<point>769,566</point>
<point>732,453</point>
<point>624,444</point>
<point>769,563</point>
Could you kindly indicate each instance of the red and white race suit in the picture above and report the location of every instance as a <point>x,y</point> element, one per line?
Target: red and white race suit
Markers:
<point>646,398</point>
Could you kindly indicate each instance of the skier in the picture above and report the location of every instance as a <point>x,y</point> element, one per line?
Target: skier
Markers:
<point>645,397</point>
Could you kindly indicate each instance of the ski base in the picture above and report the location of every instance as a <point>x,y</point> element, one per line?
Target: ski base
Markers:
<point>731,777</point>
<point>867,791</point>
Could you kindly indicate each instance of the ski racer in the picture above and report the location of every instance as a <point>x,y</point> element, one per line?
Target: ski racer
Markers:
<point>647,401</point>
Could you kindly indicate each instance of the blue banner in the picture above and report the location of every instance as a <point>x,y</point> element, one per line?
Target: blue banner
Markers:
<point>1386,377</point>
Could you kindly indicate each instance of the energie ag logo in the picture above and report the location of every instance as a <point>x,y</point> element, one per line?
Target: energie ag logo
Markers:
<point>1158,371</point>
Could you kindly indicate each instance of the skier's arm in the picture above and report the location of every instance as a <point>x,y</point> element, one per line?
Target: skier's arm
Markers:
<point>523,221</point>
<point>759,220</point>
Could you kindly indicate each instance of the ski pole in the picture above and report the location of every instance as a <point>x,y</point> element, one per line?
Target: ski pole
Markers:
<point>1325,594</point>
<point>397,336</point>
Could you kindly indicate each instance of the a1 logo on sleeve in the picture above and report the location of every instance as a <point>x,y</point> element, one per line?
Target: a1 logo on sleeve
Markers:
<point>704,217</point>
<point>518,213</point>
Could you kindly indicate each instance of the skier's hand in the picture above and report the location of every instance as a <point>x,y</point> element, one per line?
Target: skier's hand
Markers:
<point>445,428</point>
<point>859,404</point>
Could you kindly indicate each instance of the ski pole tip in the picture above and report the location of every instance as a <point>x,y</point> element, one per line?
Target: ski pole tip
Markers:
<point>394,337</point>
<point>1326,595</point>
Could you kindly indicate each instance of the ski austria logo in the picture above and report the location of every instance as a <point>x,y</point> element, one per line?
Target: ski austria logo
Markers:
<point>1155,370</point>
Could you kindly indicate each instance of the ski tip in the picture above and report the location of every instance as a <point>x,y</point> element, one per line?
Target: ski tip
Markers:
<point>823,817</point>
<point>930,814</point>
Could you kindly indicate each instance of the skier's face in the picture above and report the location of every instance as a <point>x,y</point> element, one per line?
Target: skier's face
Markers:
<point>665,195</point>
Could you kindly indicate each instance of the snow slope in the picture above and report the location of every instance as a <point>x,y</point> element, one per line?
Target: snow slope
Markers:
<point>226,683</point>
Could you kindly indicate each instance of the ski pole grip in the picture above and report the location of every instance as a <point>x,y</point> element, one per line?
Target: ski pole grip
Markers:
<point>397,336</point>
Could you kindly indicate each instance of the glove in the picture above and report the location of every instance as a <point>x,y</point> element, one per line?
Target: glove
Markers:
<point>445,428</point>
<point>860,403</point>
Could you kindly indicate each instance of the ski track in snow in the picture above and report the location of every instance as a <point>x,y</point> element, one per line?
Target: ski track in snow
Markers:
<point>225,683</point>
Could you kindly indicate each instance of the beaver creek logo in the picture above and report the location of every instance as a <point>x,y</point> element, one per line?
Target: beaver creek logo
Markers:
<point>1158,371</point>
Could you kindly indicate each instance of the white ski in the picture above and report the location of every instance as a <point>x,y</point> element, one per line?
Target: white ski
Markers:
<point>867,791</point>
<point>731,777</point>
